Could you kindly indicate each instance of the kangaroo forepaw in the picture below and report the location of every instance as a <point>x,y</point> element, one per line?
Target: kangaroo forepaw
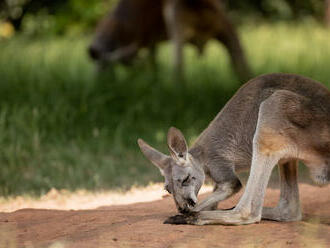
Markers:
<point>182,219</point>
<point>176,220</point>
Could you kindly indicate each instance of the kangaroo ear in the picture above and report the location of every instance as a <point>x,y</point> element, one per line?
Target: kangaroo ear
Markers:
<point>157,158</point>
<point>177,144</point>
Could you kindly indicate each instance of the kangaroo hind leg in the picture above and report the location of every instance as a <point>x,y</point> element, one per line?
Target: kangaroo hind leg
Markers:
<point>288,207</point>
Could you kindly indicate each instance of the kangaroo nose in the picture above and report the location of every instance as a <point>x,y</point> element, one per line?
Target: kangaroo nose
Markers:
<point>191,202</point>
<point>94,52</point>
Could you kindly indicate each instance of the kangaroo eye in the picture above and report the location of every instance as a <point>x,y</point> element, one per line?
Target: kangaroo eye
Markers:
<point>185,181</point>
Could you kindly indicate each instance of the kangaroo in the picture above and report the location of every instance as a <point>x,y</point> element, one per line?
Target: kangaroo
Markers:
<point>137,24</point>
<point>274,119</point>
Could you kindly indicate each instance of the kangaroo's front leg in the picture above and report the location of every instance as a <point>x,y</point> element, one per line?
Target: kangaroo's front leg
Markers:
<point>249,207</point>
<point>221,192</point>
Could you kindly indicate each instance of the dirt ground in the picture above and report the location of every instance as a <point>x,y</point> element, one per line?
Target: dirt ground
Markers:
<point>141,225</point>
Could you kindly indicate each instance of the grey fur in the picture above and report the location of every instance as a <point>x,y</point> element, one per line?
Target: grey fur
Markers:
<point>272,119</point>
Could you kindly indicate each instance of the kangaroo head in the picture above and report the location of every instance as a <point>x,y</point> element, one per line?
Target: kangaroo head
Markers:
<point>113,42</point>
<point>183,175</point>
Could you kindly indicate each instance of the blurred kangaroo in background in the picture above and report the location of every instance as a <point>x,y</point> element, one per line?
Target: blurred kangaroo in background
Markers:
<point>273,119</point>
<point>136,24</point>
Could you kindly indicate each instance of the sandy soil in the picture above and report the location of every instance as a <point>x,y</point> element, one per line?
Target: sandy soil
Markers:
<point>141,225</point>
<point>83,199</point>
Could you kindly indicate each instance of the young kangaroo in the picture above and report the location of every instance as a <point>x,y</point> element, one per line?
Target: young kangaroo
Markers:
<point>272,119</point>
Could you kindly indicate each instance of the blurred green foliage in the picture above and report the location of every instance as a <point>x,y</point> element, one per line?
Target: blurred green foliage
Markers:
<point>76,16</point>
<point>64,126</point>
<point>54,16</point>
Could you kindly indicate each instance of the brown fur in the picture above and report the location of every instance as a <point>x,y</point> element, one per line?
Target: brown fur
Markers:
<point>147,22</point>
<point>241,113</point>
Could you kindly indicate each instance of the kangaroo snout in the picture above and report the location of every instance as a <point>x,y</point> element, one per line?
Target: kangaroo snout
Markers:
<point>188,206</point>
<point>191,202</point>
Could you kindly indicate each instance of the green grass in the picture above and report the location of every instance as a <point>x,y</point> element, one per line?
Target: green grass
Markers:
<point>63,126</point>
